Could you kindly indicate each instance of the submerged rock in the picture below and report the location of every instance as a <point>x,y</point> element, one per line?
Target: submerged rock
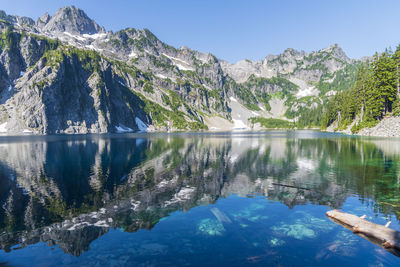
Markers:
<point>211,227</point>
<point>298,231</point>
<point>251,213</point>
<point>275,242</point>
<point>318,224</point>
<point>304,225</point>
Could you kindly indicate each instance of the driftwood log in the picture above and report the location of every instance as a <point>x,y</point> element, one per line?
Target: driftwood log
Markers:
<point>382,235</point>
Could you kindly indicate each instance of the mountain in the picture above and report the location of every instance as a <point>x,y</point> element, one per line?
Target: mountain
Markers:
<point>68,19</point>
<point>66,74</point>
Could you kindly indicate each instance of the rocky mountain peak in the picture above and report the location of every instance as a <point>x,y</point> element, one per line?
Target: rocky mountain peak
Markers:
<point>290,51</point>
<point>72,20</point>
<point>43,20</point>
<point>16,19</point>
<point>336,52</point>
<point>332,47</point>
<point>4,16</point>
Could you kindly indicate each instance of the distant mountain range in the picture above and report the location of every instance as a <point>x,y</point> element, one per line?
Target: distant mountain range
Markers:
<point>67,74</point>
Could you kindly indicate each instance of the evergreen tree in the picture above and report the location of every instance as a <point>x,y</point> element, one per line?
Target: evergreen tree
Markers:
<point>384,90</point>
<point>375,94</point>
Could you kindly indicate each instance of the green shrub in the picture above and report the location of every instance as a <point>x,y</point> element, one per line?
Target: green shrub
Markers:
<point>270,123</point>
<point>148,87</point>
<point>364,124</point>
<point>396,108</point>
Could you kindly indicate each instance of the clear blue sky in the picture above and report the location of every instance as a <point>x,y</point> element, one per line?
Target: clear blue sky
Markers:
<point>239,29</point>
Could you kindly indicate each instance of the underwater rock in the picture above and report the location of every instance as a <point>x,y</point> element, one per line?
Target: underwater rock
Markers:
<point>251,213</point>
<point>211,227</point>
<point>316,223</point>
<point>298,231</point>
<point>275,242</point>
<point>257,218</point>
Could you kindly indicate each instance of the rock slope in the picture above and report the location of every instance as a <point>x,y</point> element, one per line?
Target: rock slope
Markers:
<point>387,127</point>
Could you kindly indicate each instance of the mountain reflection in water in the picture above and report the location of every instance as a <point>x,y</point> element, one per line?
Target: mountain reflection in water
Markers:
<point>70,190</point>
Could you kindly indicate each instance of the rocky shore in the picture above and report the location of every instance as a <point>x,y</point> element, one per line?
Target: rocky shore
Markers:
<point>387,127</point>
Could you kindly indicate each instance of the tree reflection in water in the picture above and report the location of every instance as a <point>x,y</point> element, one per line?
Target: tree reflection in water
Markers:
<point>70,191</point>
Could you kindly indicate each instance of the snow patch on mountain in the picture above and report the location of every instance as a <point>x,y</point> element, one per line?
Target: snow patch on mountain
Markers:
<point>95,36</point>
<point>3,127</point>
<point>239,125</point>
<point>161,76</point>
<point>141,125</point>
<point>78,37</point>
<point>181,64</point>
<point>308,91</point>
<point>181,67</point>
<point>92,47</point>
<point>240,115</point>
<point>123,129</point>
<point>133,54</point>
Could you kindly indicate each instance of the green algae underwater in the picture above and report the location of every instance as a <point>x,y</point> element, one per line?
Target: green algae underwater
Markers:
<point>237,199</point>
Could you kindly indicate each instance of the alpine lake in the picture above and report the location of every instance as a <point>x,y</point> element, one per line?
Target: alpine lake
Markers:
<point>202,199</point>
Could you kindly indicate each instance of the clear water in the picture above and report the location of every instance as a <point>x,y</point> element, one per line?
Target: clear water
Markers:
<point>195,199</point>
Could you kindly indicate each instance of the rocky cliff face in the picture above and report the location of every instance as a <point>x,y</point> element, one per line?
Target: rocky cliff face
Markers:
<point>65,74</point>
<point>68,19</point>
<point>292,64</point>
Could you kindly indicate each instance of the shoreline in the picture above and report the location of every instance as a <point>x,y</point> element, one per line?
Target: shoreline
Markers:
<point>387,127</point>
<point>155,133</point>
<point>381,130</point>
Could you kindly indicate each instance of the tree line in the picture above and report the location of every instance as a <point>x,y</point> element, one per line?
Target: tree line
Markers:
<point>374,95</point>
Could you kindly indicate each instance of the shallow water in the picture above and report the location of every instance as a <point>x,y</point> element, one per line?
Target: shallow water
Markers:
<point>195,199</point>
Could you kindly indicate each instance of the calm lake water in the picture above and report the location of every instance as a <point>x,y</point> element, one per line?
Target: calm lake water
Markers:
<point>195,199</point>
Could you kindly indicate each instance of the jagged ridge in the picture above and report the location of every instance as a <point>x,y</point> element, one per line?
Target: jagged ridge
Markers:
<point>130,80</point>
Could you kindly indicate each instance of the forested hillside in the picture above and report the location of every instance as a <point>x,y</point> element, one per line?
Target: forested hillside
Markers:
<point>374,95</point>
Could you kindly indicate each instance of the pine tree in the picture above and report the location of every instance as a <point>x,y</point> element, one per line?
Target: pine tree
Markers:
<point>384,81</point>
<point>375,93</point>
<point>396,59</point>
